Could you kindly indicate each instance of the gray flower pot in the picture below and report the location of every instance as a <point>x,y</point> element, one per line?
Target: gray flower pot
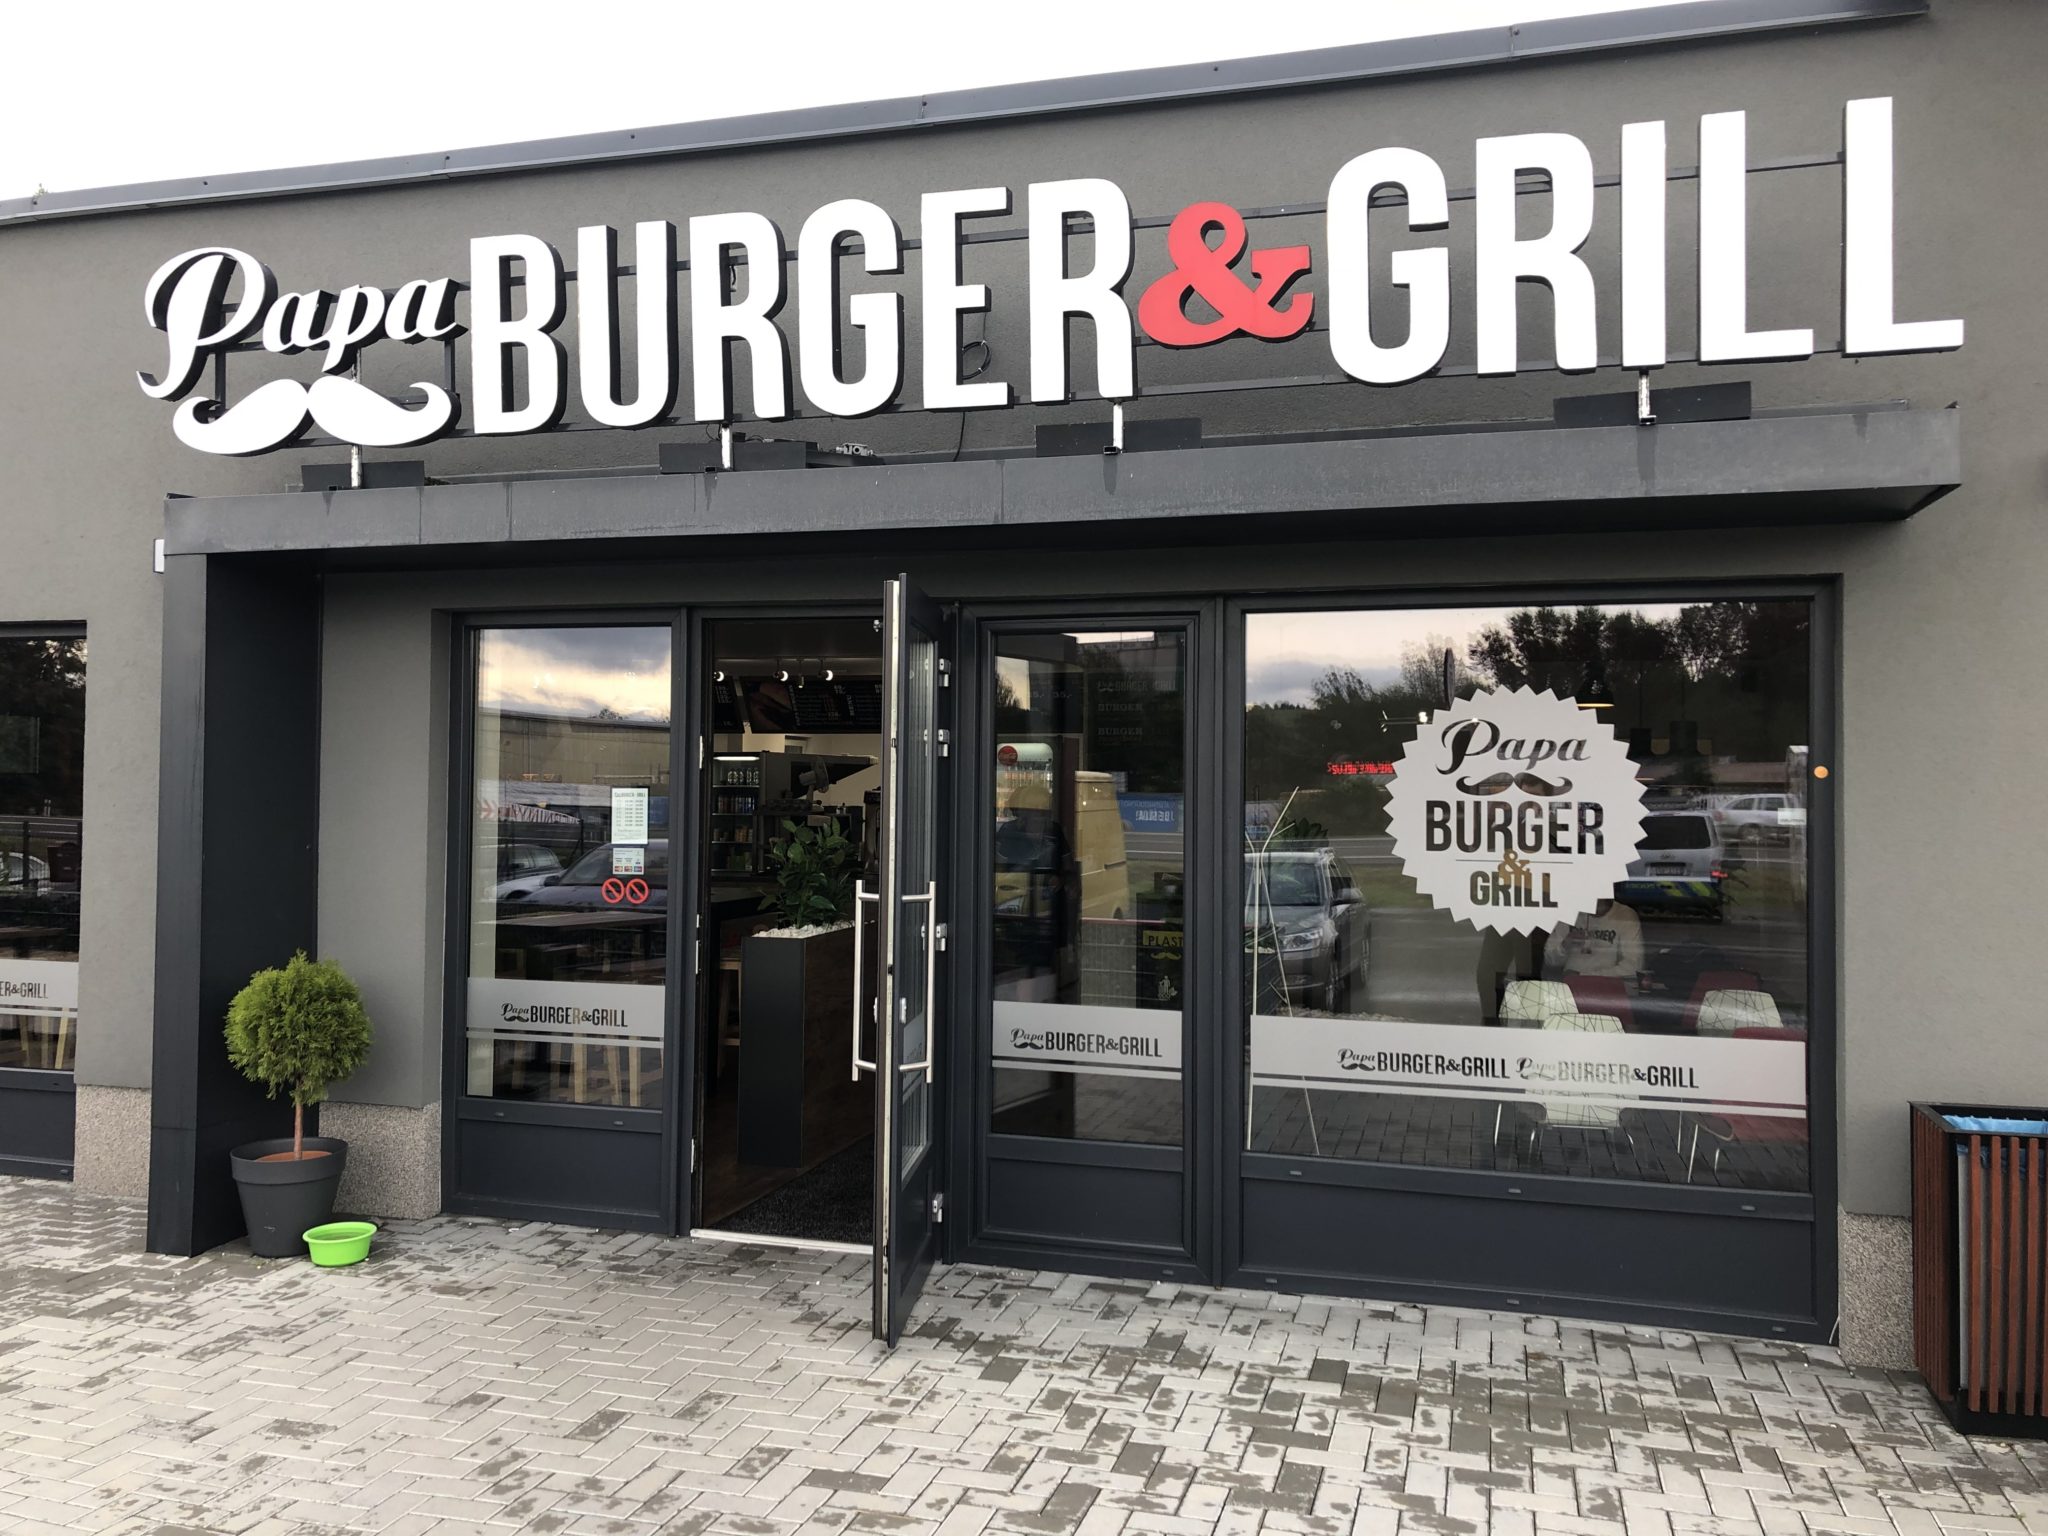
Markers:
<point>281,1200</point>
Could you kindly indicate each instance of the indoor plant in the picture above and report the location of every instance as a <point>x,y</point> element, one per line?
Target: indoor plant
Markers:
<point>294,1031</point>
<point>796,1095</point>
<point>813,870</point>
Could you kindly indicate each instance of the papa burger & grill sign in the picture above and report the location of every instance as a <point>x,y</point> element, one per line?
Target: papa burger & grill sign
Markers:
<point>1217,284</point>
<point>1515,810</point>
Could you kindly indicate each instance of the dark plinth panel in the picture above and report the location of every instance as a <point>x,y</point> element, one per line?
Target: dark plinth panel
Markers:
<point>237,827</point>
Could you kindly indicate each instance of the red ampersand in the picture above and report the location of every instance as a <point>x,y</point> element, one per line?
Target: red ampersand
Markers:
<point>1200,268</point>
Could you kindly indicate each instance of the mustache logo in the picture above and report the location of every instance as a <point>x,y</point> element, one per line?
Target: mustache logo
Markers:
<point>279,412</point>
<point>1528,783</point>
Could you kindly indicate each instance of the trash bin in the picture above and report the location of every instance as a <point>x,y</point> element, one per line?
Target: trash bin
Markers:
<point>1980,1265</point>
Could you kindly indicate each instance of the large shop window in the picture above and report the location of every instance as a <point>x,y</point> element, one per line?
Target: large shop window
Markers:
<point>1526,889</point>
<point>42,838</point>
<point>1090,779</point>
<point>569,865</point>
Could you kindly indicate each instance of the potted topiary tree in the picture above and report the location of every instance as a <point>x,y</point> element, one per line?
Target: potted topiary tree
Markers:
<point>796,1095</point>
<point>295,1031</point>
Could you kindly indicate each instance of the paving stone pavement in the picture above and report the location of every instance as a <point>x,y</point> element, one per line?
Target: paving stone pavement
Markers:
<point>475,1377</point>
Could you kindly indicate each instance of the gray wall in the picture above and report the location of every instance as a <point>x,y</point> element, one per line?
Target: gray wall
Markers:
<point>1939,858</point>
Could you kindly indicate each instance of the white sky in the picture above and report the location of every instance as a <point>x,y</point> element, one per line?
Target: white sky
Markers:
<point>117,91</point>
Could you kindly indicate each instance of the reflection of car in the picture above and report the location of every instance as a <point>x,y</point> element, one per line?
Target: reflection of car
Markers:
<point>522,867</point>
<point>1754,819</point>
<point>1031,849</point>
<point>14,872</point>
<point>1679,865</point>
<point>596,881</point>
<point>1305,904</point>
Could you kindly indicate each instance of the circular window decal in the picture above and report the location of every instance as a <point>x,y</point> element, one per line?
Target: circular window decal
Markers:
<point>1515,810</point>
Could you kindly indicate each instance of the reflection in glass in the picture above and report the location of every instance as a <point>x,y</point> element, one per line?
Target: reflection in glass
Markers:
<point>1685,992</point>
<point>569,865</point>
<point>1087,846</point>
<point>42,839</point>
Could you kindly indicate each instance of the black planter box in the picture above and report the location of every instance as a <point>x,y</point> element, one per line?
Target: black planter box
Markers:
<point>1980,1266</point>
<point>799,1102</point>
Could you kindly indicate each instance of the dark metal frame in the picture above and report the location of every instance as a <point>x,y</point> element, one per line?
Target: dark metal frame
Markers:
<point>1817,1207</point>
<point>702,618</point>
<point>971,1071</point>
<point>42,1079</point>
<point>674,1128</point>
<point>1211,1161</point>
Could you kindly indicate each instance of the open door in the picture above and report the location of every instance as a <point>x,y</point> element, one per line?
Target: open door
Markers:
<point>903,1005</point>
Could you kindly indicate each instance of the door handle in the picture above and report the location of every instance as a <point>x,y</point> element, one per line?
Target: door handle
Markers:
<point>930,900</point>
<point>860,894</point>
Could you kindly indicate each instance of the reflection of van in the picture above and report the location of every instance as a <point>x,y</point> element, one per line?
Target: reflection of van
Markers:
<point>1105,871</point>
<point>1032,849</point>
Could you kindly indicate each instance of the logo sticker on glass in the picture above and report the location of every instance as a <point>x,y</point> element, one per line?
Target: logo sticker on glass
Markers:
<point>1515,810</point>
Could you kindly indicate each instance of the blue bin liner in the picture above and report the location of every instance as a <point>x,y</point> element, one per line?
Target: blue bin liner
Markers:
<point>1990,1125</point>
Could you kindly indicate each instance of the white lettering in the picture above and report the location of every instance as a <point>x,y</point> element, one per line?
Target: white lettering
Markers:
<point>1725,336</point>
<point>1868,293</point>
<point>597,323</point>
<point>1504,262</point>
<point>877,316</point>
<point>717,320</point>
<point>947,298</point>
<point>1055,295</point>
<point>498,338</point>
<point>1426,274</point>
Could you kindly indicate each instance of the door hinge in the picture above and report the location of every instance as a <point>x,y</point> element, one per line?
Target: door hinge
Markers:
<point>940,937</point>
<point>693,1157</point>
<point>700,752</point>
<point>945,742</point>
<point>697,957</point>
<point>945,673</point>
<point>938,1207</point>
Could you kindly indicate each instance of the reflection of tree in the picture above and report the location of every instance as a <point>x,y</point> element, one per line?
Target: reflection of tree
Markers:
<point>1726,678</point>
<point>42,727</point>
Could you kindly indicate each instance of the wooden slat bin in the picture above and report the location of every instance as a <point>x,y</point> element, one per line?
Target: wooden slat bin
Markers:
<point>1980,1265</point>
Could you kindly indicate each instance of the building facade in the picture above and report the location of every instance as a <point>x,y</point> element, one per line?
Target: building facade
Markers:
<point>1375,629</point>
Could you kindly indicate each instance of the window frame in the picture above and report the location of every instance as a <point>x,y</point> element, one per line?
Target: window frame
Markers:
<point>1817,1204</point>
<point>56,1079</point>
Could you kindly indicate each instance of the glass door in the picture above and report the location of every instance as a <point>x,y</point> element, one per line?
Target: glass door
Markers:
<point>906,904</point>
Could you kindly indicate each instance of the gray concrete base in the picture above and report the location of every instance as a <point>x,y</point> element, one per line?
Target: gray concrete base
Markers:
<point>1877,1291</point>
<point>394,1158</point>
<point>112,1146</point>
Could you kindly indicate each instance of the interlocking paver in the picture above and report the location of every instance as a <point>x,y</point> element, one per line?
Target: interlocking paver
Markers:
<point>489,1379</point>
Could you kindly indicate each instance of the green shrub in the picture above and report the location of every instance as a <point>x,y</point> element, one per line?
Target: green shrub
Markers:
<point>813,870</point>
<point>297,1030</point>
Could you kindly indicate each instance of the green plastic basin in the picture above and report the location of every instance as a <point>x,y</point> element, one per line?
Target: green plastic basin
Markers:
<point>340,1242</point>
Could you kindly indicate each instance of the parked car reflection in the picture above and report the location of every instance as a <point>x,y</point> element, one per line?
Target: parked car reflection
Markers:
<point>1303,906</point>
<point>601,879</point>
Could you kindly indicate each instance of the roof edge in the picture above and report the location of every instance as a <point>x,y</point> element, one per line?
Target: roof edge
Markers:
<point>1693,20</point>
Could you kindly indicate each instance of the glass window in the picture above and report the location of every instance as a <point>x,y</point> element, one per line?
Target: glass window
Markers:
<point>569,862</point>
<point>42,838</point>
<point>1429,999</point>
<point>1086,836</point>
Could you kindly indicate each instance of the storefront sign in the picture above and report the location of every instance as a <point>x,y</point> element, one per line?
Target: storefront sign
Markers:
<point>1515,810</point>
<point>1088,1038</point>
<point>560,1012</point>
<point>1592,1067</point>
<point>1217,284</point>
<point>44,988</point>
